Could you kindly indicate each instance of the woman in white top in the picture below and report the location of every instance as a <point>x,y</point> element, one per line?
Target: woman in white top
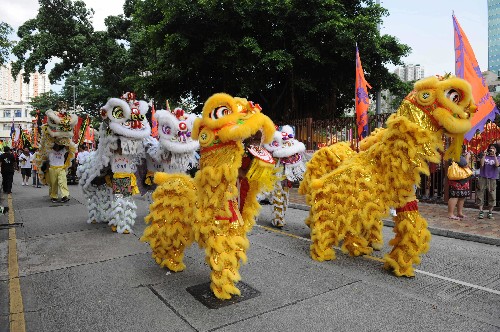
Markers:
<point>25,162</point>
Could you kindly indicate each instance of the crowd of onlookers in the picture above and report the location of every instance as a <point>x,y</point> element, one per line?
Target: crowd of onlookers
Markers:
<point>22,160</point>
<point>487,168</point>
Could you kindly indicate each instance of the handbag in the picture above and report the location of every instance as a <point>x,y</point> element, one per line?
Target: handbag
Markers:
<point>456,172</point>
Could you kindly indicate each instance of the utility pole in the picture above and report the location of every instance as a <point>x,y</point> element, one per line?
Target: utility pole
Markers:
<point>74,98</point>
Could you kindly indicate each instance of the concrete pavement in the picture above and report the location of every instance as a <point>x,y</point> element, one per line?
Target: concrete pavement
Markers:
<point>75,276</point>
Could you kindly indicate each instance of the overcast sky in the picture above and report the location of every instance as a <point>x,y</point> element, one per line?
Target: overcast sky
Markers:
<point>425,25</point>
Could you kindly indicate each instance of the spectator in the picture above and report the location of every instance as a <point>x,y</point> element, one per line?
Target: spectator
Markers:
<point>25,162</point>
<point>7,164</point>
<point>487,180</point>
<point>34,171</point>
<point>459,190</point>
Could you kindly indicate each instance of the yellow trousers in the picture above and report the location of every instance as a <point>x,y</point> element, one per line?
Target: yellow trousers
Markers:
<point>58,181</point>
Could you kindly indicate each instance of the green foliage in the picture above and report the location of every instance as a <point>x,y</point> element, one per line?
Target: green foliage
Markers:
<point>62,29</point>
<point>399,91</point>
<point>5,43</point>
<point>46,101</point>
<point>296,58</point>
<point>496,99</point>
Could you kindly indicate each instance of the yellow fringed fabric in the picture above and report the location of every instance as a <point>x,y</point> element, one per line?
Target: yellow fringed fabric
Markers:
<point>133,180</point>
<point>349,202</point>
<point>264,173</point>
<point>349,193</point>
<point>412,239</point>
<point>205,209</point>
<point>170,218</point>
<point>261,178</point>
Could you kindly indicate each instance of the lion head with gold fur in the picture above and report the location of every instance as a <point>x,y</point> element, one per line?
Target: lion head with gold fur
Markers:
<point>446,103</point>
<point>226,118</point>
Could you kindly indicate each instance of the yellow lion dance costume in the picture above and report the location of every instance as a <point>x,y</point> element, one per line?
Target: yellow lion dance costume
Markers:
<point>205,209</point>
<point>349,193</point>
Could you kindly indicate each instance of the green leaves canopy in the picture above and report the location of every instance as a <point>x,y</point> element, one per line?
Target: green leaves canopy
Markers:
<point>294,57</point>
<point>5,42</point>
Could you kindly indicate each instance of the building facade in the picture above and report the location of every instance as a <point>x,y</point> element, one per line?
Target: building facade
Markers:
<point>16,90</point>
<point>15,96</point>
<point>410,72</point>
<point>494,36</point>
<point>17,113</point>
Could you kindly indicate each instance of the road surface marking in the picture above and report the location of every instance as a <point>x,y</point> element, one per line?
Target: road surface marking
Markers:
<point>463,283</point>
<point>16,315</point>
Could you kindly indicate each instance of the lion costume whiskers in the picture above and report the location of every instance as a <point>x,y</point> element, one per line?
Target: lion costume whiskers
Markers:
<point>349,193</point>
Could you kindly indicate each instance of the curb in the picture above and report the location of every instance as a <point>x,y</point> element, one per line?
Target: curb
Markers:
<point>433,230</point>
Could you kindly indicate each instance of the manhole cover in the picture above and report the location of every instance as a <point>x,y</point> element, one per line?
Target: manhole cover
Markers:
<point>203,293</point>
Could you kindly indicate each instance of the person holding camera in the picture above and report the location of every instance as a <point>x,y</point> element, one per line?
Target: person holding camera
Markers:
<point>488,175</point>
<point>459,190</point>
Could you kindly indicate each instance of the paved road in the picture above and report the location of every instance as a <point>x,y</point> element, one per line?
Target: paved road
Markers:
<point>80,277</point>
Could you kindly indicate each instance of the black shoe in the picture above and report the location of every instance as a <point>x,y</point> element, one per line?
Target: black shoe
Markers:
<point>54,200</point>
<point>4,209</point>
<point>64,199</point>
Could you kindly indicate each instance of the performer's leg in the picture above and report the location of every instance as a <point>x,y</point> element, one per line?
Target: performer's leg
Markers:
<point>53,178</point>
<point>62,183</point>
<point>412,239</point>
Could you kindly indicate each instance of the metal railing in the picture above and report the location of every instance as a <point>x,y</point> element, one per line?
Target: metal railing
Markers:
<point>433,188</point>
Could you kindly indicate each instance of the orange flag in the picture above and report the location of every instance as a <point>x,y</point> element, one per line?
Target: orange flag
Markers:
<point>362,99</point>
<point>154,122</point>
<point>466,67</point>
<point>76,131</point>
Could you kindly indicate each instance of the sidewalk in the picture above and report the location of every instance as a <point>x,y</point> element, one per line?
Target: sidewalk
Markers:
<point>470,229</point>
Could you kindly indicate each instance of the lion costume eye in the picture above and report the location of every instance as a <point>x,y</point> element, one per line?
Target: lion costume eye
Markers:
<point>453,95</point>
<point>117,112</point>
<point>166,130</point>
<point>220,112</point>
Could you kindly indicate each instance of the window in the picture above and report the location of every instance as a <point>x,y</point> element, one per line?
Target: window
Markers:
<point>18,113</point>
<point>6,114</point>
<point>7,126</point>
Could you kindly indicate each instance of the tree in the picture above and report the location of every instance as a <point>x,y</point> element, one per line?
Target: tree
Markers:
<point>46,101</point>
<point>399,91</point>
<point>296,58</point>
<point>5,43</point>
<point>62,29</point>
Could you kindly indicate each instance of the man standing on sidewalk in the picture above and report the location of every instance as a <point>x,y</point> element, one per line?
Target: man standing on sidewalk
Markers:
<point>7,163</point>
<point>488,176</point>
<point>25,162</point>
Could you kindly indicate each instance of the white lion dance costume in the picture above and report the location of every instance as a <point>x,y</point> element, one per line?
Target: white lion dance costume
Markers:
<point>58,130</point>
<point>175,151</point>
<point>289,155</point>
<point>108,176</point>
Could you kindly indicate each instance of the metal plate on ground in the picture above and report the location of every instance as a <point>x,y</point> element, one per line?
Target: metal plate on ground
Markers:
<point>204,294</point>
